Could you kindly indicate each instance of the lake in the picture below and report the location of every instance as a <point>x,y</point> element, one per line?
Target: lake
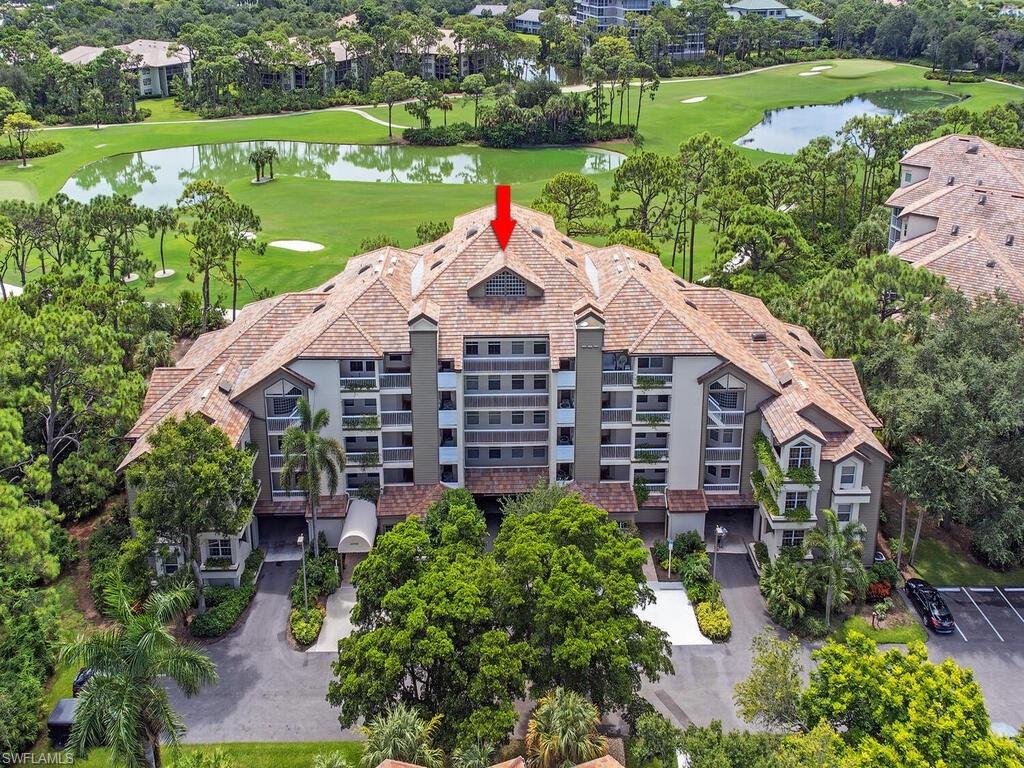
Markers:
<point>157,177</point>
<point>787,130</point>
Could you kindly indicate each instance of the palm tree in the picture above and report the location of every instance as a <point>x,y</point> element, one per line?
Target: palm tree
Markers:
<point>837,568</point>
<point>124,705</point>
<point>270,155</point>
<point>161,221</point>
<point>153,351</point>
<point>787,590</point>
<point>445,104</point>
<point>475,755</point>
<point>309,458</point>
<point>257,159</point>
<point>401,734</point>
<point>563,731</point>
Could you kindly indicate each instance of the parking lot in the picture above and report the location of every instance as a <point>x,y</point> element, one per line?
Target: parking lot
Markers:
<point>985,614</point>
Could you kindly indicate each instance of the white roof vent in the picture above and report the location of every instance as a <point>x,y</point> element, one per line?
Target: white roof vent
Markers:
<point>1009,239</point>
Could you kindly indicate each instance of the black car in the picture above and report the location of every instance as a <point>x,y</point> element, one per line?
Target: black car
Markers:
<point>84,676</point>
<point>931,606</point>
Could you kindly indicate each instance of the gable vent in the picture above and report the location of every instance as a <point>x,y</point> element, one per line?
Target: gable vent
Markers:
<point>1009,239</point>
<point>955,229</point>
<point>973,149</point>
<point>758,336</point>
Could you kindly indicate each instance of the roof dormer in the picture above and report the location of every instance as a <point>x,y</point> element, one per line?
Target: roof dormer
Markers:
<point>506,276</point>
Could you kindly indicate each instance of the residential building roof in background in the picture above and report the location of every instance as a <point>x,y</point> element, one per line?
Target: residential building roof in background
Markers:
<point>151,53</point>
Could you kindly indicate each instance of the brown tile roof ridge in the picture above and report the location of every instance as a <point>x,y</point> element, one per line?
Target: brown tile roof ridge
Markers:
<point>505,260</point>
<point>952,245</point>
<point>901,247</point>
<point>936,194</point>
<point>991,249</point>
<point>919,148</point>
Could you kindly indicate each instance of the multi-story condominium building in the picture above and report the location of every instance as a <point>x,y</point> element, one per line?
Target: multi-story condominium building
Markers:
<point>959,212</point>
<point>611,13</point>
<point>769,9</point>
<point>459,364</point>
<point>156,62</point>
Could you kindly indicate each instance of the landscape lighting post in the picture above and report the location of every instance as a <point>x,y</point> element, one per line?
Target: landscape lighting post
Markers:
<point>305,598</point>
<point>720,532</point>
<point>670,542</point>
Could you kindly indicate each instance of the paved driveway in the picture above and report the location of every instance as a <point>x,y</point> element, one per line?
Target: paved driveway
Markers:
<point>267,691</point>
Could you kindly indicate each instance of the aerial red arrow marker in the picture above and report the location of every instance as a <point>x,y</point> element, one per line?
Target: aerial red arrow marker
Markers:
<point>503,223</point>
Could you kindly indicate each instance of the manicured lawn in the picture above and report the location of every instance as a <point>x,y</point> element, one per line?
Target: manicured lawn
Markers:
<point>886,634</point>
<point>298,754</point>
<point>939,564</point>
<point>166,109</point>
<point>72,622</point>
<point>340,214</point>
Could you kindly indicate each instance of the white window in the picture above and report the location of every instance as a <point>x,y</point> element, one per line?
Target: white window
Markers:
<point>844,512</point>
<point>540,382</point>
<point>540,417</point>
<point>493,383</point>
<point>505,283</point>
<point>539,452</point>
<point>908,177</point>
<point>518,382</point>
<point>540,347</point>
<point>792,538</point>
<point>472,348</point>
<point>800,455</point>
<point>796,499</point>
<point>847,476</point>
<point>493,347</point>
<point>726,473</point>
<point>219,548</point>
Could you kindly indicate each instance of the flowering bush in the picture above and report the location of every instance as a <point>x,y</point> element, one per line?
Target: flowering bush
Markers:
<point>306,624</point>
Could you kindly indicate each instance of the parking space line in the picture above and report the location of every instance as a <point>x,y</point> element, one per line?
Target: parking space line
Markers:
<point>969,597</point>
<point>957,625</point>
<point>1010,604</point>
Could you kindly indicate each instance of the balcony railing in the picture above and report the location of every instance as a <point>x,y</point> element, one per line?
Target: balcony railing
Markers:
<point>362,458</point>
<point>653,380</point>
<point>652,418</point>
<point>723,417</point>
<point>512,364</point>
<point>650,455</point>
<point>278,424</point>
<point>617,378</point>
<point>615,451</point>
<point>617,415</point>
<point>723,455</point>
<point>506,436</point>
<point>722,487</point>
<point>276,461</point>
<point>506,401</point>
<point>396,418</point>
<point>359,383</point>
<point>395,380</point>
<point>360,423</point>
<point>397,455</point>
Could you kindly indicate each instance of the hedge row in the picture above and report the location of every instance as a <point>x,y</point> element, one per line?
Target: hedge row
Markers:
<point>32,149</point>
<point>225,604</point>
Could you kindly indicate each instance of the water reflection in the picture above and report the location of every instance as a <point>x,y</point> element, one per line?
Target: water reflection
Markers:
<point>157,177</point>
<point>788,130</point>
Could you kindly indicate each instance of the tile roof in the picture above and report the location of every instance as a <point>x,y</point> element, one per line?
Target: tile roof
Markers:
<point>687,501</point>
<point>407,499</point>
<point>330,506</point>
<point>494,481</point>
<point>614,498</point>
<point>365,312</point>
<point>150,53</point>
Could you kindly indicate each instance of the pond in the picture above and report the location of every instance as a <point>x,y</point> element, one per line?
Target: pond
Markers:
<point>157,177</point>
<point>787,130</point>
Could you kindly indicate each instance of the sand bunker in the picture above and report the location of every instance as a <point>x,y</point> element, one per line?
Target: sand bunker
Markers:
<point>821,68</point>
<point>306,246</point>
<point>809,74</point>
<point>693,100</point>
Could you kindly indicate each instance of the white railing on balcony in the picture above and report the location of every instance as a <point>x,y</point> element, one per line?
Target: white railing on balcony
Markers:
<point>652,417</point>
<point>395,380</point>
<point>395,418</point>
<point>617,378</point>
<point>656,454</point>
<point>506,401</point>
<point>362,459</point>
<point>722,487</point>
<point>276,461</point>
<point>366,383</point>
<point>278,424</point>
<point>397,455</point>
<point>616,415</point>
<point>615,451</point>
<point>646,380</point>
<point>722,455</point>
<point>510,364</point>
<point>505,436</point>
<point>367,421</point>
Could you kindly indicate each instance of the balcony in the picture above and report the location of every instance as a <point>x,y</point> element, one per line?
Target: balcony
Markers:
<point>366,423</point>
<point>277,425</point>
<point>651,418</point>
<point>645,380</point>
<point>365,383</point>
<point>276,461</point>
<point>448,454</point>
<point>650,455</point>
<point>722,487</point>
<point>448,418</point>
<point>506,401</point>
<point>617,378</point>
<point>400,455</point>
<point>723,455</point>
<point>565,379</point>
<point>723,417</point>
<point>362,459</point>
<point>616,415</point>
<point>396,418</point>
<point>565,453</point>
<point>616,451</point>
<point>395,380</point>
<point>447,380</point>
<point>506,436</point>
<point>565,417</point>
<point>512,364</point>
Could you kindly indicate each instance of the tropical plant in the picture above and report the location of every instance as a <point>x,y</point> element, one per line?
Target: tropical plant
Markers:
<point>787,590</point>
<point>161,221</point>
<point>153,351</point>
<point>330,760</point>
<point>562,731</point>
<point>124,706</point>
<point>310,458</point>
<point>475,755</point>
<point>401,734</point>
<point>837,570</point>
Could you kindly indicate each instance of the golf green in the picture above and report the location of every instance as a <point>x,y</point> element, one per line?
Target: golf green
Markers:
<point>341,213</point>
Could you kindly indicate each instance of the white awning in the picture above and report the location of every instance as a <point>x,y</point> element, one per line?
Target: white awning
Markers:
<point>360,530</point>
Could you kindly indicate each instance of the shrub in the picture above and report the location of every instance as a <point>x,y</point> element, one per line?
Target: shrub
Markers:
<point>440,135</point>
<point>761,553</point>
<point>113,549</point>
<point>33,149</point>
<point>812,627</point>
<point>63,547</point>
<point>884,571</point>
<point>957,77</point>
<point>878,591</point>
<point>642,493</point>
<point>321,577</point>
<point>306,624</point>
<point>654,741</point>
<point>225,604</point>
<point>713,620</point>
<point>695,570</point>
<point>687,543</point>
<point>21,707</point>
<point>704,591</point>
